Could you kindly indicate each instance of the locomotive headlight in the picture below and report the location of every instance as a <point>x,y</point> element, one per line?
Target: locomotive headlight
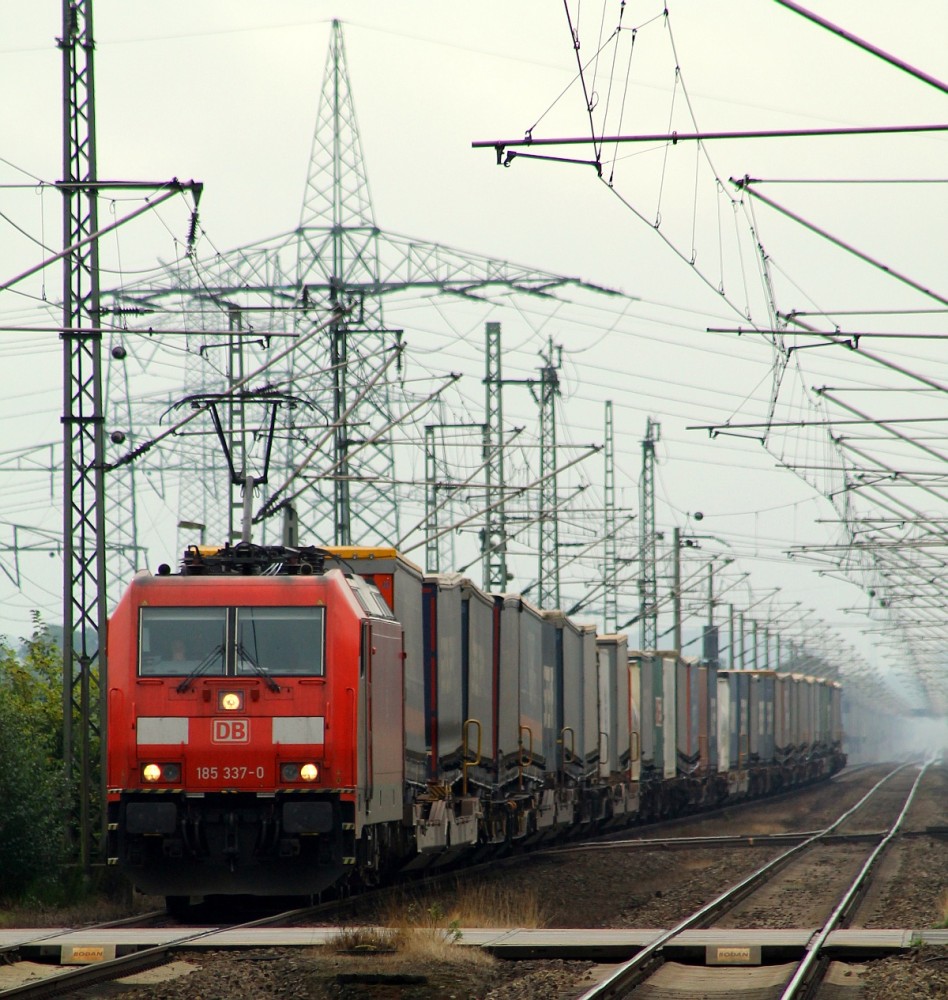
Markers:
<point>230,701</point>
<point>152,773</point>
<point>299,772</point>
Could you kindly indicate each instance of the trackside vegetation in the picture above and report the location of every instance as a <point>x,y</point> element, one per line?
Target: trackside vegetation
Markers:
<point>32,790</point>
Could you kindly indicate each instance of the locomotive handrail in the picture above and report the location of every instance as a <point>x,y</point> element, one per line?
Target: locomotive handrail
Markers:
<point>465,763</point>
<point>366,672</point>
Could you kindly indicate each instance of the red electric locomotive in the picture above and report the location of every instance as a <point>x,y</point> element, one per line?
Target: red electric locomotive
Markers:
<point>242,695</point>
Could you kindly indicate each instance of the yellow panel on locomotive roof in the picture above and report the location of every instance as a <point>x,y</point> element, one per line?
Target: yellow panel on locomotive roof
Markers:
<point>378,553</point>
<point>206,550</point>
<point>362,551</point>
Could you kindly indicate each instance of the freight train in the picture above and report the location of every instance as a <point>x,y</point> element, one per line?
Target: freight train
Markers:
<point>281,720</point>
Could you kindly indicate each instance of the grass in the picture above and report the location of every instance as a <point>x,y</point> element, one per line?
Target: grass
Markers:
<point>30,913</point>
<point>479,905</point>
<point>487,906</point>
<point>366,940</point>
<point>85,908</point>
<point>428,928</point>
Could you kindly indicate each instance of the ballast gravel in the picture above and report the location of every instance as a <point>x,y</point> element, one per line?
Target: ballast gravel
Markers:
<point>632,888</point>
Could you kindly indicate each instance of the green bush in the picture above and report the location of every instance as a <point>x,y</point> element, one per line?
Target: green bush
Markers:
<point>32,787</point>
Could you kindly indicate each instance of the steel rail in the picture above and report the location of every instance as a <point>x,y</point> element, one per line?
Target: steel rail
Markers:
<point>621,978</point>
<point>608,837</point>
<point>142,918</point>
<point>798,983</point>
<point>62,983</point>
<point>714,840</point>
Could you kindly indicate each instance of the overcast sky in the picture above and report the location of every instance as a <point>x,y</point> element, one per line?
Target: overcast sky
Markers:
<point>226,93</point>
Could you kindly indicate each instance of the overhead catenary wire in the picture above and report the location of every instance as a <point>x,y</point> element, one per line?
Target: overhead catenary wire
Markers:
<point>866,46</point>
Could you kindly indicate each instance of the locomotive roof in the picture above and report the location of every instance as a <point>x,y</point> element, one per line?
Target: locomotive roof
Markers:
<point>249,559</point>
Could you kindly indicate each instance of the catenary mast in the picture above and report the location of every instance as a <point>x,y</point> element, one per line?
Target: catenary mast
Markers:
<point>648,573</point>
<point>84,667</point>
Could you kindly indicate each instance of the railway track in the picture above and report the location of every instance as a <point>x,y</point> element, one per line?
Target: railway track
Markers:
<point>786,982</point>
<point>854,827</point>
<point>66,981</point>
<point>69,980</point>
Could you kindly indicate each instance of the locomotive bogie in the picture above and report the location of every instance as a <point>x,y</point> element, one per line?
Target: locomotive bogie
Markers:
<point>225,843</point>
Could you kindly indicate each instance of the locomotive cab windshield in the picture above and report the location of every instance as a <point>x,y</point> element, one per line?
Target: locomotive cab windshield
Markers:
<point>234,641</point>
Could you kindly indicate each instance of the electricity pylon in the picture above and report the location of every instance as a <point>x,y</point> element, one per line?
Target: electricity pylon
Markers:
<point>336,259</point>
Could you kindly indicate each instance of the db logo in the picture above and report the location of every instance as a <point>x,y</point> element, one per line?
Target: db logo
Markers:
<point>230,731</point>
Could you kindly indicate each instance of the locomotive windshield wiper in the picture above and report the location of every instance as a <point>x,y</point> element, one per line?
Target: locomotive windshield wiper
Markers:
<point>200,668</point>
<point>262,671</point>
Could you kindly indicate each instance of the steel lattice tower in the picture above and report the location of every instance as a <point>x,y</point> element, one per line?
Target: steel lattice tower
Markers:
<point>84,667</point>
<point>548,549</point>
<point>494,542</point>
<point>610,575</point>
<point>648,583</point>
<point>335,265</point>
